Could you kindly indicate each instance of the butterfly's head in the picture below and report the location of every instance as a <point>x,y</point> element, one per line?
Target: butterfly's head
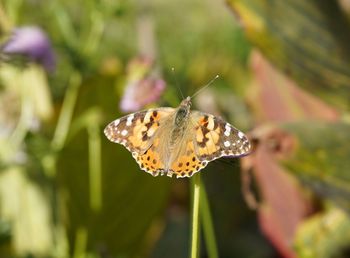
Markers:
<point>186,102</point>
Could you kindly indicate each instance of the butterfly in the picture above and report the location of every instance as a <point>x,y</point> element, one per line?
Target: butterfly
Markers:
<point>178,140</point>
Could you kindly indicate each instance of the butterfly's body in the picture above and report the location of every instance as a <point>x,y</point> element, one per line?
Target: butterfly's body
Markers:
<point>180,141</point>
<point>180,121</point>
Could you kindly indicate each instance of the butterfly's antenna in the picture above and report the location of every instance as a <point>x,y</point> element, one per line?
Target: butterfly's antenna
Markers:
<point>205,86</point>
<point>176,82</point>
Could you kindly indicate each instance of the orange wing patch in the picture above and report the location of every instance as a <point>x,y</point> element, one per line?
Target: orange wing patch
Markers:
<point>150,160</point>
<point>141,133</point>
<point>136,130</point>
<point>207,138</point>
<point>216,138</point>
<point>187,163</point>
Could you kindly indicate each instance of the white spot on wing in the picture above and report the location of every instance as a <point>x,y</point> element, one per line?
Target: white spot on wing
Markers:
<point>129,120</point>
<point>227,144</point>
<point>227,130</point>
<point>124,132</point>
<point>116,122</point>
<point>240,135</point>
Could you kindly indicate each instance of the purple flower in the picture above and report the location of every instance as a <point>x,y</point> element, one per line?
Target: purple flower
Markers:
<point>140,93</point>
<point>141,87</point>
<point>33,43</point>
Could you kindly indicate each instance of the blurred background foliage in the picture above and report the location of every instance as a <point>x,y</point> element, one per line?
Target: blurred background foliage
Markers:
<point>68,68</point>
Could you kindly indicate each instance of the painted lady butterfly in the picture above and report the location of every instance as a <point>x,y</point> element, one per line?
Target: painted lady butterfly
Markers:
<point>176,140</point>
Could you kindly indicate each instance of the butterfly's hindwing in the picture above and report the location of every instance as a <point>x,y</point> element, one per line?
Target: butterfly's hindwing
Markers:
<point>150,161</point>
<point>187,162</point>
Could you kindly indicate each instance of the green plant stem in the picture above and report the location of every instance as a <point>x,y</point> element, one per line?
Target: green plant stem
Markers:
<point>13,10</point>
<point>208,229</point>
<point>50,161</point>
<point>95,166</point>
<point>81,238</point>
<point>96,33</point>
<point>66,114</point>
<point>21,129</point>
<point>63,124</point>
<point>64,24</point>
<point>5,23</point>
<point>196,183</point>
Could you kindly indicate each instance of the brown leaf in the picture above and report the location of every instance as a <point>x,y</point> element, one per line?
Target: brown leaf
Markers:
<point>283,205</point>
<point>275,97</point>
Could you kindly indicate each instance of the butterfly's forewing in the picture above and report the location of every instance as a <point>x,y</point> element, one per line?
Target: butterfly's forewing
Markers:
<point>136,131</point>
<point>215,138</point>
<point>207,138</point>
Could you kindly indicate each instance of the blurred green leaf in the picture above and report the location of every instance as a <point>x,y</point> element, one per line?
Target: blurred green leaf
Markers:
<point>25,205</point>
<point>5,232</point>
<point>309,40</point>
<point>324,235</point>
<point>321,159</point>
